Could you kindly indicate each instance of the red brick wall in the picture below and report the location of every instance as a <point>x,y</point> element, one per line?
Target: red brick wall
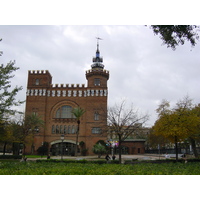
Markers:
<point>135,147</point>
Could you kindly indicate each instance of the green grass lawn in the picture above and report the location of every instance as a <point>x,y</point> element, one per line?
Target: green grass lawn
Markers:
<point>33,168</point>
<point>36,156</point>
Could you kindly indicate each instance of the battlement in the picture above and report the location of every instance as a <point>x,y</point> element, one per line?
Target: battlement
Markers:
<point>68,85</point>
<point>97,70</point>
<point>36,72</point>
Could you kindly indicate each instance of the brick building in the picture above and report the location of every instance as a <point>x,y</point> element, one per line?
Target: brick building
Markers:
<point>54,103</point>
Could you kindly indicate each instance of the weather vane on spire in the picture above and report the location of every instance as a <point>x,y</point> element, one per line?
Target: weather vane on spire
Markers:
<point>98,38</point>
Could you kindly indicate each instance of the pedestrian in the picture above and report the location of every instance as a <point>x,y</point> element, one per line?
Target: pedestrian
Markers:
<point>107,158</point>
<point>184,158</point>
<point>24,158</point>
<point>167,156</point>
<point>113,157</point>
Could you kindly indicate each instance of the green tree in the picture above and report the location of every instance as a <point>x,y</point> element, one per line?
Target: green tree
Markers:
<point>6,135</point>
<point>78,113</point>
<point>153,141</point>
<point>173,35</point>
<point>23,130</point>
<point>8,98</point>
<point>43,150</point>
<point>177,124</point>
<point>99,149</point>
<point>123,122</point>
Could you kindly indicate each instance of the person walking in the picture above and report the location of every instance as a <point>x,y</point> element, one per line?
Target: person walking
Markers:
<point>107,158</point>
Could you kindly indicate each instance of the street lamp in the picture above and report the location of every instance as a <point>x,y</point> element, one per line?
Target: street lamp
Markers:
<point>112,144</point>
<point>62,137</point>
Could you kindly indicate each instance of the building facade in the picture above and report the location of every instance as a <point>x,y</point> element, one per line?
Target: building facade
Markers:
<point>54,104</point>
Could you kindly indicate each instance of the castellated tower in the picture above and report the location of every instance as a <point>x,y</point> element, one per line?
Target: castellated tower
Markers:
<point>54,103</point>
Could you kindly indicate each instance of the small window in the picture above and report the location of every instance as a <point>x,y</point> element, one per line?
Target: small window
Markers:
<point>53,129</point>
<point>37,82</point>
<point>69,129</point>
<point>73,129</point>
<point>65,129</point>
<point>96,130</point>
<point>61,131</point>
<point>96,116</point>
<point>57,129</point>
<point>97,82</point>
<point>35,113</point>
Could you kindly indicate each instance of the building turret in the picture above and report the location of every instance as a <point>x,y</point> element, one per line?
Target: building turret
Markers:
<point>97,61</point>
<point>97,76</point>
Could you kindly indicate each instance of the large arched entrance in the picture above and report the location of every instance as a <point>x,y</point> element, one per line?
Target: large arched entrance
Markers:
<point>65,148</point>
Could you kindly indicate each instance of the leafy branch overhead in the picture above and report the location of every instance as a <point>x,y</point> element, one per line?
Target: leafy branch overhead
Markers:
<point>174,35</point>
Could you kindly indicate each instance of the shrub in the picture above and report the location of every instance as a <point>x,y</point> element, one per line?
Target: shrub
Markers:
<point>99,149</point>
<point>84,152</point>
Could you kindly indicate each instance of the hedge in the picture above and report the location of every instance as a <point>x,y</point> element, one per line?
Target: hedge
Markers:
<point>10,157</point>
<point>78,161</point>
<point>160,161</point>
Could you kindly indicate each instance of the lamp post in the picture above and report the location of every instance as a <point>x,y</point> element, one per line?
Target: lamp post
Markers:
<point>112,144</point>
<point>62,139</point>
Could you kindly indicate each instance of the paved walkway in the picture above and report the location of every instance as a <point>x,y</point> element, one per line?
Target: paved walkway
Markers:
<point>124,157</point>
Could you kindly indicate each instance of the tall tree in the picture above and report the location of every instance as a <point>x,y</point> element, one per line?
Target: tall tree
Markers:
<point>5,134</point>
<point>24,130</point>
<point>173,35</point>
<point>8,97</point>
<point>178,123</point>
<point>78,113</point>
<point>123,122</point>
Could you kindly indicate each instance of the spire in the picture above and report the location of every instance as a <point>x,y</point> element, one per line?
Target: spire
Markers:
<point>97,61</point>
<point>98,52</point>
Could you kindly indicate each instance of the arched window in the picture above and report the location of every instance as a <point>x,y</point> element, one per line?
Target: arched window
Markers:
<point>57,129</point>
<point>69,129</point>
<point>65,129</point>
<point>73,129</point>
<point>64,112</point>
<point>53,129</point>
<point>58,113</point>
<point>61,129</point>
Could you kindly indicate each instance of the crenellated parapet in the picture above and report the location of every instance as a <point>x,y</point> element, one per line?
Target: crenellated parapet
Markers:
<point>68,85</point>
<point>37,72</point>
<point>97,71</point>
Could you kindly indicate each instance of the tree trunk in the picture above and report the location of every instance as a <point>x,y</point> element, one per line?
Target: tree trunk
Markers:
<point>24,150</point>
<point>120,150</point>
<point>16,148</point>
<point>77,133</point>
<point>193,143</point>
<point>4,148</point>
<point>176,148</point>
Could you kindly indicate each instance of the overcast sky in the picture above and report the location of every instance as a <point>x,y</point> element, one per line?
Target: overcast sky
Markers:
<point>142,70</point>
